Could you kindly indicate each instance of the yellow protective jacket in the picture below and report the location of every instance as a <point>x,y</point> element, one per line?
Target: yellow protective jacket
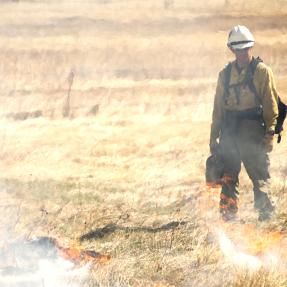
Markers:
<point>265,86</point>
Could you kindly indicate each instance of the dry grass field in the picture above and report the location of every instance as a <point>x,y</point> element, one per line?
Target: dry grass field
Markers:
<point>123,173</point>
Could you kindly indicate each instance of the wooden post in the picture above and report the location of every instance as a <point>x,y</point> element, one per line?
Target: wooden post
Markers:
<point>67,103</point>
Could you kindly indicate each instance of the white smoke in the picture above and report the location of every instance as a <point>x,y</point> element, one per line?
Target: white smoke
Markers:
<point>36,264</point>
<point>58,273</point>
<point>269,258</point>
<point>235,256</point>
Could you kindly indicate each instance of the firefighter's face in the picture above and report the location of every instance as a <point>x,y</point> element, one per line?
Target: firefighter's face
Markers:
<point>243,56</point>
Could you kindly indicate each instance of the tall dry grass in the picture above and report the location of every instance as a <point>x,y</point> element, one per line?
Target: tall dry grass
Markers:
<point>129,181</point>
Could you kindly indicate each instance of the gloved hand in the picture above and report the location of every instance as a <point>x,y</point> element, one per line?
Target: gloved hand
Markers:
<point>214,147</point>
<point>268,141</point>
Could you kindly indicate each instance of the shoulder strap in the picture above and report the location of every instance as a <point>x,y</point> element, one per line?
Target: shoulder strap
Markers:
<point>254,63</point>
<point>227,75</point>
<point>250,75</point>
<point>248,79</point>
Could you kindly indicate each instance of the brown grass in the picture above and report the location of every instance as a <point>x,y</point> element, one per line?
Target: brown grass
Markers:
<point>129,180</point>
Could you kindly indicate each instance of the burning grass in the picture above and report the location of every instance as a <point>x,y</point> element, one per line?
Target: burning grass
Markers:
<point>145,243</point>
<point>45,262</point>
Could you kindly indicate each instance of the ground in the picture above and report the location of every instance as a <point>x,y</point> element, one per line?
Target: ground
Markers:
<point>105,120</point>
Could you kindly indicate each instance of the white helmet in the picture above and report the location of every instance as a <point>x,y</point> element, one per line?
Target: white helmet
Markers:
<point>240,38</point>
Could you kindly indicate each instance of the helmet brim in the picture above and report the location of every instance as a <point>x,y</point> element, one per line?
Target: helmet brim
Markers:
<point>241,46</point>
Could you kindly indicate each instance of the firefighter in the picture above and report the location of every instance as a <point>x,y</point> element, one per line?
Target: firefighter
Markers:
<point>243,123</point>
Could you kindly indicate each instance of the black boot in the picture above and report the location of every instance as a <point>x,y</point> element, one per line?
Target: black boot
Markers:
<point>264,206</point>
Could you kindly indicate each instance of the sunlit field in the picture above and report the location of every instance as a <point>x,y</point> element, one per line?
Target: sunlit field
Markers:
<point>105,111</point>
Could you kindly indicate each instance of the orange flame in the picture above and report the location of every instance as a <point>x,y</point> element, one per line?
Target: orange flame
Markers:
<point>260,242</point>
<point>211,185</point>
<point>257,242</point>
<point>79,255</point>
<point>251,239</point>
<point>227,179</point>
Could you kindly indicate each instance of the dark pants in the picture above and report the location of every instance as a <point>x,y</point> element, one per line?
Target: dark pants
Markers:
<point>243,143</point>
